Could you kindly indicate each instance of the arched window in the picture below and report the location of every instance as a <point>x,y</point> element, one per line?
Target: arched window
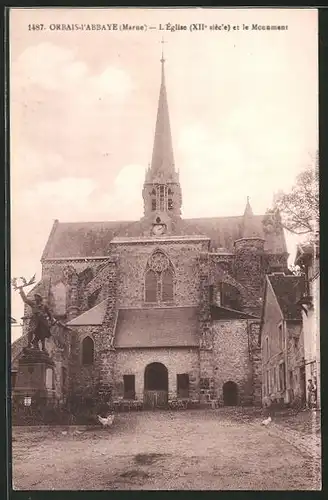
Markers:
<point>93,298</point>
<point>167,285</point>
<point>59,295</point>
<point>230,297</point>
<point>151,286</point>
<point>87,351</point>
<point>153,200</point>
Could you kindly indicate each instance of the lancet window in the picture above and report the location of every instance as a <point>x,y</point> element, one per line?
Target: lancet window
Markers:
<point>159,279</point>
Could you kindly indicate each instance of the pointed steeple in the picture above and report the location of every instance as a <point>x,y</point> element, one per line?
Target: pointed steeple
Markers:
<point>248,209</point>
<point>162,164</point>
<point>162,191</point>
<point>250,226</point>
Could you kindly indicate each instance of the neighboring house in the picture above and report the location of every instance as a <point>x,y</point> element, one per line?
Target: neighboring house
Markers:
<point>161,308</point>
<point>282,347</point>
<point>307,257</point>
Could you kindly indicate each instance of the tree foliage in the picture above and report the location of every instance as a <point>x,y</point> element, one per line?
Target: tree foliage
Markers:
<point>299,209</point>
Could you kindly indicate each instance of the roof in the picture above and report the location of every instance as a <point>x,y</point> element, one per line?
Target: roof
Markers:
<point>92,239</point>
<point>157,327</point>
<point>17,347</point>
<point>222,313</point>
<point>288,291</point>
<point>94,316</point>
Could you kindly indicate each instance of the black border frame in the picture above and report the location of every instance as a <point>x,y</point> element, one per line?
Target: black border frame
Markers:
<point>5,250</point>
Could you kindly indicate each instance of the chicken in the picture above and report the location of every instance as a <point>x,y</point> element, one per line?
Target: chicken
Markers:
<point>267,421</point>
<point>106,422</point>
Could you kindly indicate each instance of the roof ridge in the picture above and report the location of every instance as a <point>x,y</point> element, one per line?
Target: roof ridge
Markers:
<point>85,313</point>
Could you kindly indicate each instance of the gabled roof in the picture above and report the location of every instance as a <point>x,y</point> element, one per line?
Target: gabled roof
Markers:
<point>92,239</point>
<point>94,316</point>
<point>288,291</point>
<point>157,327</point>
<point>17,347</point>
<point>221,313</point>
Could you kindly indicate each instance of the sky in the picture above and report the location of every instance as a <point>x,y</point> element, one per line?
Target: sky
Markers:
<point>243,110</point>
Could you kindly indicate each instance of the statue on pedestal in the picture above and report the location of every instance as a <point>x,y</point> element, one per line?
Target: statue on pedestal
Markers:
<point>41,318</point>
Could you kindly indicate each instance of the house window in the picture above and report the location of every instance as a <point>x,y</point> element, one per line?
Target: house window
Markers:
<point>282,377</point>
<point>87,351</point>
<point>167,285</point>
<point>280,337</point>
<point>64,377</point>
<point>151,286</point>
<point>50,382</point>
<point>267,382</point>
<point>13,379</point>
<point>267,348</point>
<point>275,378</point>
<point>129,386</point>
<point>183,385</point>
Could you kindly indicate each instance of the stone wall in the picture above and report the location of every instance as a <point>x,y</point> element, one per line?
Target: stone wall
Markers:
<point>249,270</point>
<point>295,350</point>
<point>176,360</point>
<point>83,378</point>
<point>231,358</point>
<point>132,264</point>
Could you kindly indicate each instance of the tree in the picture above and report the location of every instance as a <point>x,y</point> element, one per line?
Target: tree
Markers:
<point>299,209</point>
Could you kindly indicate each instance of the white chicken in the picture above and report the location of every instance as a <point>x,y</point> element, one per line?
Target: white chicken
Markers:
<point>267,421</point>
<point>106,421</point>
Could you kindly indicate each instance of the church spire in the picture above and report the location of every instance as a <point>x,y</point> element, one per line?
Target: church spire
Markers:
<point>250,227</point>
<point>162,164</point>
<point>161,191</point>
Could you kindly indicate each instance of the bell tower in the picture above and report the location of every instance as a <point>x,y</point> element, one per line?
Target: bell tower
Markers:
<point>162,191</point>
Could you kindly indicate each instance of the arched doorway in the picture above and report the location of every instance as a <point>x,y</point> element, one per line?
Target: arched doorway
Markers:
<point>156,385</point>
<point>230,394</point>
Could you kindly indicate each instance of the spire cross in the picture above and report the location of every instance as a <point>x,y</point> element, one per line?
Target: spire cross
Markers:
<point>162,42</point>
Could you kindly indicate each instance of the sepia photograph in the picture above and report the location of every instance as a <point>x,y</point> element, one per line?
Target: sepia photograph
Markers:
<point>164,185</point>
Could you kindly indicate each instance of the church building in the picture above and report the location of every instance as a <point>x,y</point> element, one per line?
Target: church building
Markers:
<point>162,309</point>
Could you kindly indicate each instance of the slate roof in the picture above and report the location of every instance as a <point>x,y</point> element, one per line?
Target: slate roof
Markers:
<point>94,316</point>
<point>91,239</point>
<point>288,291</point>
<point>157,327</point>
<point>222,313</point>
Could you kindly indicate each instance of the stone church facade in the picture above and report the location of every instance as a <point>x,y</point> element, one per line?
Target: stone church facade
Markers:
<point>164,308</point>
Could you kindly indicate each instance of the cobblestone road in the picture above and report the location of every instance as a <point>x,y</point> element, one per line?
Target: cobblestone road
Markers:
<point>190,450</point>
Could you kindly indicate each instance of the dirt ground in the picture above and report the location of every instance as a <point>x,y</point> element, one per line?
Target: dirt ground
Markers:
<point>187,450</point>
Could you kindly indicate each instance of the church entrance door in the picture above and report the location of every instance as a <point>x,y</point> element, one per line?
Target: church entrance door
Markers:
<point>230,394</point>
<point>156,386</point>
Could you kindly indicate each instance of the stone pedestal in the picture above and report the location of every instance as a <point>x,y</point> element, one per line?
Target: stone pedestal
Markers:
<point>35,378</point>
